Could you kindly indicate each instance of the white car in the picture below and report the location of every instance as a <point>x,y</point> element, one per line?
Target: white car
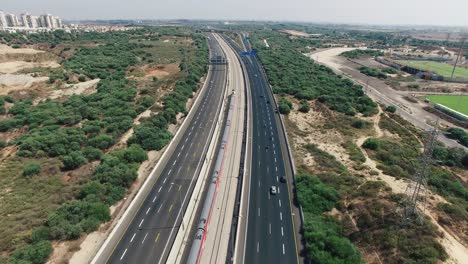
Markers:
<point>273,190</point>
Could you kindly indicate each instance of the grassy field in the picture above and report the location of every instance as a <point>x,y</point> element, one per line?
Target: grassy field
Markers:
<point>454,102</point>
<point>443,69</point>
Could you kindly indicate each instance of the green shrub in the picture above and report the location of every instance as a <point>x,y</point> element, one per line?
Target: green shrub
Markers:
<point>314,196</point>
<point>359,123</point>
<point>372,72</point>
<point>371,143</point>
<point>391,109</point>
<point>304,107</point>
<point>91,153</point>
<point>36,253</point>
<point>354,152</point>
<point>31,169</point>
<point>325,244</point>
<point>74,160</point>
<point>284,106</point>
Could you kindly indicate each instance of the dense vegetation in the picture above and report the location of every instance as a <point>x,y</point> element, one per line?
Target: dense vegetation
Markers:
<point>358,53</point>
<point>325,241</point>
<point>458,134</point>
<point>367,214</point>
<point>372,72</point>
<point>292,73</point>
<point>84,127</point>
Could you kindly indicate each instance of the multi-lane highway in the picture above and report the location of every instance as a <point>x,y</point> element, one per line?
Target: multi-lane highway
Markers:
<point>149,237</point>
<point>270,236</point>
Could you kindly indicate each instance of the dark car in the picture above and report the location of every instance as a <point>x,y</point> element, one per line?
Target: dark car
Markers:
<point>283,179</point>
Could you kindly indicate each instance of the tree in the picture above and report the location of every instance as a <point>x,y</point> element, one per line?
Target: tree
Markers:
<point>371,143</point>
<point>391,109</point>
<point>132,154</point>
<point>73,160</point>
<point>102,141</point>
<point>304,108</point>
<point>31,169</point>
<point>91,153</point>
<point>284,106</point>
<point>36,253</point>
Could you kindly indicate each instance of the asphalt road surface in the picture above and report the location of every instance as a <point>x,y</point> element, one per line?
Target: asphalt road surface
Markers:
<point>270,230</point>
<point>152,231</point>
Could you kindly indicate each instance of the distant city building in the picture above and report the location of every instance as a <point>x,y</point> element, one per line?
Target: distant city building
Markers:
<point>12,20</point>
<point>3,21</point>
<point>26,21</point>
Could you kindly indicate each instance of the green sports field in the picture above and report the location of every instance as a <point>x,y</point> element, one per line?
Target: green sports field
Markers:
<point>457,103</point>
<point>443,69</point>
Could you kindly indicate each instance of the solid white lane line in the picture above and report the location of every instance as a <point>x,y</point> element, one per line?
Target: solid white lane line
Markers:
<point>144,238</point>
<point>142,220</point>
<point>147,211</point>
<point>123,254</point>
<point>283,249</point>
<point>282,234</point>
<point>131,240</point>
<point>279,201</point>
<point>281,216</point>
<point>154,199</point>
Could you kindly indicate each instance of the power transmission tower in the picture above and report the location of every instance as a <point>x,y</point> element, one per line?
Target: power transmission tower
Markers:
<point>416,189</point>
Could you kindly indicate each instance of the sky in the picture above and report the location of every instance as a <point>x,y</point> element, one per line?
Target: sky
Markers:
<point>382,12</point>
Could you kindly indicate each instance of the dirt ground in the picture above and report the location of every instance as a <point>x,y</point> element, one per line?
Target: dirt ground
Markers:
<point>307,128</point>
<point>158,71</point>
<point>10,82</point>
<point>4,49</point>
<point>88,87</point>
<point>16,66</point>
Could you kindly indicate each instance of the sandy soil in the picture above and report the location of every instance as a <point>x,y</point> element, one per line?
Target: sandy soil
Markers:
<point>16,66</point>
<point>9,82</point>
<point>329,57</point>
<point>88,87</point>
<point>4,49</point>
